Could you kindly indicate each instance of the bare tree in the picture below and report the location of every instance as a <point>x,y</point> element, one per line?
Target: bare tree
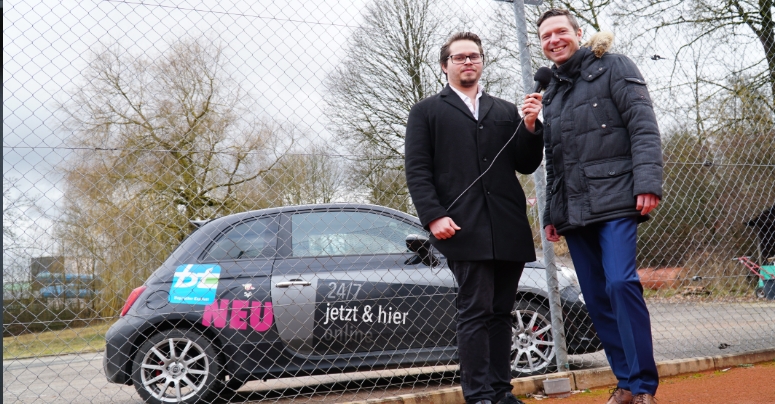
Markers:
<point>721,22</point>
<point>389,65</point>
<point>313,176</point>
<point>161,139</point>
<point>13,217</point>
<point>180,133</point>
<point>384,181</point>
<point>16,247</point>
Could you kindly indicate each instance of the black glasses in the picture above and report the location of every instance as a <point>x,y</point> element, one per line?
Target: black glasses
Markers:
<point>460,58</point>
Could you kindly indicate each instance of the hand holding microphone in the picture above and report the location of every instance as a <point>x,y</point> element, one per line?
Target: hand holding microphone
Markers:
<point>532,105</point>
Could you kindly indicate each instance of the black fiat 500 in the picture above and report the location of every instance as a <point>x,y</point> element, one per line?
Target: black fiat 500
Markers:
<point>312,289</point>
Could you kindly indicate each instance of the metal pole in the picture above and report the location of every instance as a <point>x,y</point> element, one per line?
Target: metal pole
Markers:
<point>539,177</point>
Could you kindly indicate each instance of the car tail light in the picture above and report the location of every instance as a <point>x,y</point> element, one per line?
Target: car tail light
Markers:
<point>131,299</point>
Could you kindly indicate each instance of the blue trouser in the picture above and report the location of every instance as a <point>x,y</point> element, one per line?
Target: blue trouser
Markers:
<point>486,294</point>
<point>604,257</point>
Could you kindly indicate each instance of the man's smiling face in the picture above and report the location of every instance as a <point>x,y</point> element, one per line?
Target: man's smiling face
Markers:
<point>559,41</point>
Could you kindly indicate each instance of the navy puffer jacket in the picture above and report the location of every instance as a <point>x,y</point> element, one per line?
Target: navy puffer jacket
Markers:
<point>601,140</point>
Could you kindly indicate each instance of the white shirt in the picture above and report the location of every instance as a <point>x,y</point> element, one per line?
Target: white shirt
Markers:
<point>473,106</point>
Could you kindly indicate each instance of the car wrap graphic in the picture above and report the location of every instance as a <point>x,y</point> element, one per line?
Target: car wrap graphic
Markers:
<point>353,316</point>
<point>239,314</point>
<point>195,284</point>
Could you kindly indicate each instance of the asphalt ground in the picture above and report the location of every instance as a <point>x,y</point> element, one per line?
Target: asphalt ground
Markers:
<point>686,329</point>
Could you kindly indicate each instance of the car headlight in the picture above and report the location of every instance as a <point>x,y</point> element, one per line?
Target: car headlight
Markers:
<point>570,274</point>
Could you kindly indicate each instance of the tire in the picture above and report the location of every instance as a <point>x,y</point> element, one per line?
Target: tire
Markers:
<point>176,366</point>
<point>759,292</point>
<point>532,344</point>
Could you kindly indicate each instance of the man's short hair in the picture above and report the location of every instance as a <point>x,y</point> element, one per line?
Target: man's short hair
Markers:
<point>555,12</point>
<point>460,36</point>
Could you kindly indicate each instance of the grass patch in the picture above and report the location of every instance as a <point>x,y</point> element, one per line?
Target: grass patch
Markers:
<point>60,342</point>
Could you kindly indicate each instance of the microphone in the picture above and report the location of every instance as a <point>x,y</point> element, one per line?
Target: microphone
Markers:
<point>542,77</point>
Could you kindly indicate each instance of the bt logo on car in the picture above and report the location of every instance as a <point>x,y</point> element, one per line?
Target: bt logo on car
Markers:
<point>195,284</point>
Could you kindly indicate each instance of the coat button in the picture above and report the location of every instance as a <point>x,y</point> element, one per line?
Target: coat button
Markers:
<point>590,76</point>
<point>603,125</point>
<point>484,159</point>
<point>481,126</point>
<point>594,105</point>
<point>612,172</point>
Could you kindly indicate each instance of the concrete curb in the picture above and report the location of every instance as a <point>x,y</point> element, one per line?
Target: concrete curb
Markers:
<point>585,379</point>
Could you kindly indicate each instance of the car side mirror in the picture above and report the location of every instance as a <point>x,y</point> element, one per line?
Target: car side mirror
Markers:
<point>421,247</point>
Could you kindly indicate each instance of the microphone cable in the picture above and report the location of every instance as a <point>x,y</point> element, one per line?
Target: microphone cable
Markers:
<point>490,166</point>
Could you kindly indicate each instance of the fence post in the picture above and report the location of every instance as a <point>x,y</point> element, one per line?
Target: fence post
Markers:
<point>539,177</point>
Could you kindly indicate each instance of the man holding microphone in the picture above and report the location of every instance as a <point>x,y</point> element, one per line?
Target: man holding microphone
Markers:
<point>604,175</point>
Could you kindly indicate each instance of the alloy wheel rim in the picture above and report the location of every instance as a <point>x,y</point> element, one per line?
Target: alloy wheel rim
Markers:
<point>532,345</point>
<point>175,369</point>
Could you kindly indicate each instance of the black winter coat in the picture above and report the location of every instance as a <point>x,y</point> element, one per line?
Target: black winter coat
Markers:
<point>601,140</point>
<point>447,149</point>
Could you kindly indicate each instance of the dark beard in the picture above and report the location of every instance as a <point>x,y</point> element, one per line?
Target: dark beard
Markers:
<point>468,83</point>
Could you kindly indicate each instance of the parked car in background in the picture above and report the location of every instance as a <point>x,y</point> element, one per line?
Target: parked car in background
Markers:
<point>306,290</point>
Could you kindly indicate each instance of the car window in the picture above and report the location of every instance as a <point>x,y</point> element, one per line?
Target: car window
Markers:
<point>318,234</point>
<point>253,239</point>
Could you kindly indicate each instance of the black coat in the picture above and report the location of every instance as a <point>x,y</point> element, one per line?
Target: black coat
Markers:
<point>447,149</point>
<point>602,141</point>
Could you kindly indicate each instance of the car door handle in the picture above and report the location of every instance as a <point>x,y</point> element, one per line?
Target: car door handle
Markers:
<point>292,282</point>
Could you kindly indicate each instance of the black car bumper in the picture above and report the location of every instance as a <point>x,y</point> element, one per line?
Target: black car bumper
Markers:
<point>120,349</point>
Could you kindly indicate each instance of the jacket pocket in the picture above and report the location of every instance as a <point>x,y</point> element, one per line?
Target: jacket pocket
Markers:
<point>637,90</point>
<point>558,208</point>
<point>610,186</point>
<point>603,122</point>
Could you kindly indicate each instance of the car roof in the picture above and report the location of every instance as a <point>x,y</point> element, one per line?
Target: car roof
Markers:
<point>235,217</point>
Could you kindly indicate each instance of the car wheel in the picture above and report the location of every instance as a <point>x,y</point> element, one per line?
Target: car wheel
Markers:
<point>532,344</point>
<point>759,293</point>
<point>176,366</point>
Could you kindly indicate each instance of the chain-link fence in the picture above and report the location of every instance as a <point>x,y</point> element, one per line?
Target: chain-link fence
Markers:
<point>136,136</point>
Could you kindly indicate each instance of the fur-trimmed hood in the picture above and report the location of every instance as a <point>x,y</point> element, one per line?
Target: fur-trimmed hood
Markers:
<point>600,42</point>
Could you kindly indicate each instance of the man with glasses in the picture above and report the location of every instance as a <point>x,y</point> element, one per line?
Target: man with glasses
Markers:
<point>463,149</point>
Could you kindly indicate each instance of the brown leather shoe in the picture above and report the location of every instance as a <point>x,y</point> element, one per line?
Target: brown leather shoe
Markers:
<point>620,396</point>
<point>644,399</point>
